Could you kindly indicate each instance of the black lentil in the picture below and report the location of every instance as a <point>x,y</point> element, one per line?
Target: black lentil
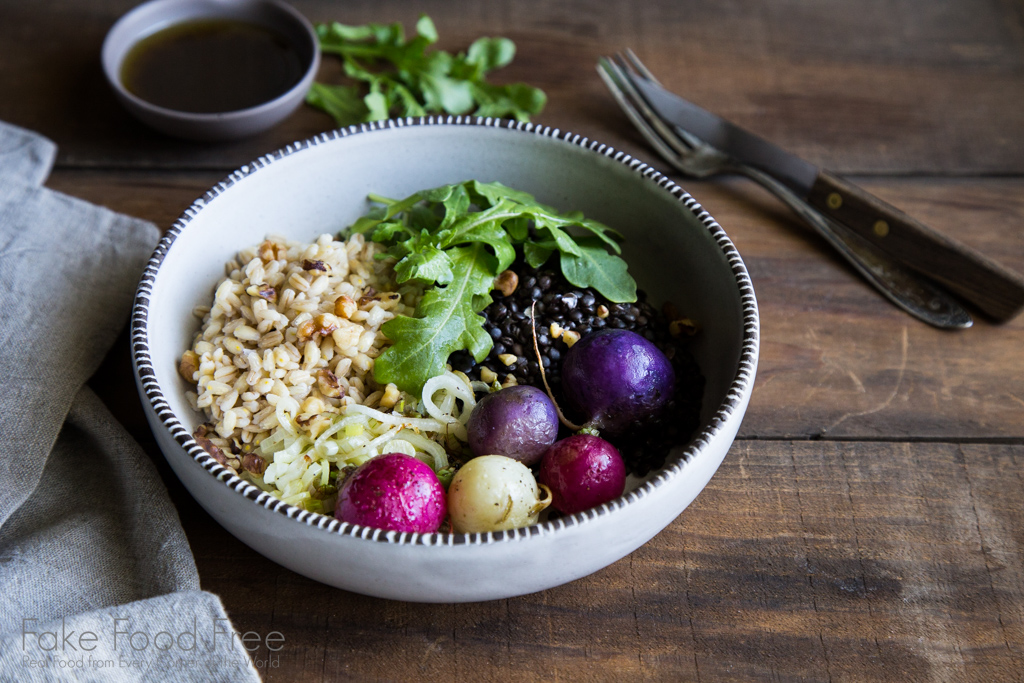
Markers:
<point>582,310</point>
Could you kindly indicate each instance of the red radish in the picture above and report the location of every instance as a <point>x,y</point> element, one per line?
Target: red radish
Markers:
<point>395,492</point>
<point>582,471</point>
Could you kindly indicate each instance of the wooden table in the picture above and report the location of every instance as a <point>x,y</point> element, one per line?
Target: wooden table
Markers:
<point>867,524</point>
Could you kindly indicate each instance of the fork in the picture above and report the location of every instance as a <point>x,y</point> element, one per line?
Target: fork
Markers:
<point>697,159</point>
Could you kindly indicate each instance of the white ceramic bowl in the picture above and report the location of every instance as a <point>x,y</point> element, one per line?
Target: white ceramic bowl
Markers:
<point>676,251</point>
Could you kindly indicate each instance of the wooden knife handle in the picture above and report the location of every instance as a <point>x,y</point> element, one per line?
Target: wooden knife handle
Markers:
<point>994,289</point>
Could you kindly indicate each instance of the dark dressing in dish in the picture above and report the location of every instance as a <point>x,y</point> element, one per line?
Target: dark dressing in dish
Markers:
<point>212,66</point>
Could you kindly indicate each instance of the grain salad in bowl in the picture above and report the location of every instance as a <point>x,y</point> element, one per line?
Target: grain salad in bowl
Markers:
<point>450,379</point>
<point>315,359</point>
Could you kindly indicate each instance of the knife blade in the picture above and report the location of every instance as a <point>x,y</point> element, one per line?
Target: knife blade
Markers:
<point>991,287</point>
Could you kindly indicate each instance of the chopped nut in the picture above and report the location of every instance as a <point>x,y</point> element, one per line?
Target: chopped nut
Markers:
<point>369,296</point>
<point>390,397</point>
<point>506,282</point>
<point>306,330</point>
<point>318,424</point>
<point>325,324</point>
<point>570,337</point>
<point>254,464</point>
<point>510,381</point>
<point>508,359</point>
<point>345,306</point>
<point>683,327</point>
<point>316,265</point>
<point>189,366</point>
<point>347,335</point>
<point>487,375</point>
<point>602,311</point>
<point>213,449</point>
<point>272,251</point>
<point>556,330</point>
<point>267,292</point>
<point>311,406</point>
<point>328,384</point>
<point>266,251</point>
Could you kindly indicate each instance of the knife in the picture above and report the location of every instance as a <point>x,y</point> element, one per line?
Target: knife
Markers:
<point>993,288</point>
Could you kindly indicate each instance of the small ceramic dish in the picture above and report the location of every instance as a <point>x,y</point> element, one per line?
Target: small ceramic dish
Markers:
<point>675,250</point>
<point>152,17</point>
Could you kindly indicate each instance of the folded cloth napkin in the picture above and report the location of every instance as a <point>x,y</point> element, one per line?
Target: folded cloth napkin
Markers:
<point>96,576</point>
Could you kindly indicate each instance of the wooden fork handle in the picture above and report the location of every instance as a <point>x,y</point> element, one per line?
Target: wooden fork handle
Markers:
<point>994,289</point>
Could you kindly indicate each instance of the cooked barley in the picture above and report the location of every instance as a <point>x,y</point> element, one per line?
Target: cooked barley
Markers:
<point>294,325</point>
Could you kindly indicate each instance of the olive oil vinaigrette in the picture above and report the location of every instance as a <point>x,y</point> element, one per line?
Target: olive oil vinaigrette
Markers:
<point>211,66</point>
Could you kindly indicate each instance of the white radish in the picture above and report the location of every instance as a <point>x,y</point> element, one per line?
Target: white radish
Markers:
<point>495,493</point>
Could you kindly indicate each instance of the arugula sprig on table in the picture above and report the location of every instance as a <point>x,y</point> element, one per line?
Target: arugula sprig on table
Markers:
<point>402,77</point>
<point>455,240</point>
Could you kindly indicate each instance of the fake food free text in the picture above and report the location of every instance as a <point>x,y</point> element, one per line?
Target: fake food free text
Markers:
<point>126,636</point>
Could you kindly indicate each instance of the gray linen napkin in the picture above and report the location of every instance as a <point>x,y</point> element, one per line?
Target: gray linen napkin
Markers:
<point>97,581</point>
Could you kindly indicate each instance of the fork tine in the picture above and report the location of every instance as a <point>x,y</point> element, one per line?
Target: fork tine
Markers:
<point>639,66</point>
<point>682,146</point>
<point>614,78</point>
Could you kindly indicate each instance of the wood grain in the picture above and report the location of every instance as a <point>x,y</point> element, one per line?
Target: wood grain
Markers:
<point>866,525</point>
<point>799,561</point>
<point>882,86</point>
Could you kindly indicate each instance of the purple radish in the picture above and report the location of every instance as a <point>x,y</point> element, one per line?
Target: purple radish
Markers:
<point>395,492</point>
<point>519,422</point>
<point>616,379</point>
<point>582,471</point>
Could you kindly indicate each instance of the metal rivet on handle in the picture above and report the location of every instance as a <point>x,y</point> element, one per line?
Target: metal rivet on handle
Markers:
<point>881,228</point>
<point>835,200</point>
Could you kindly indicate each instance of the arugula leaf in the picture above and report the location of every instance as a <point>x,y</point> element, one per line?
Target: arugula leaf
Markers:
<point>447,321</point>
<point>395,76</point>
<point>537,253</point>
<point>456,239</point>
<point>595,267</point>
<point>429,265</point>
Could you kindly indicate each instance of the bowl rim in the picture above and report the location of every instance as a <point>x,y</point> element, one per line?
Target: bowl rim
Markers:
<point>112,60</point>
<point>739,387</point>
